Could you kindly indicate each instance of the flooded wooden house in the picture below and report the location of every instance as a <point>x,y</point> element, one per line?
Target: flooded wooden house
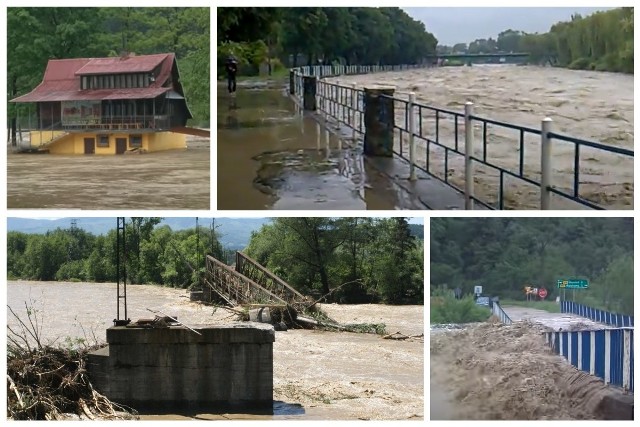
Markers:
<point>109,105</point>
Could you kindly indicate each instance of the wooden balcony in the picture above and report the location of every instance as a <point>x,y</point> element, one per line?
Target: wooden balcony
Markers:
<point>117,123</point>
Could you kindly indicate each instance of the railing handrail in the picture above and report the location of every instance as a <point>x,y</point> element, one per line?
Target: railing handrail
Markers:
<point>596,314</point>
<point>546,135</point>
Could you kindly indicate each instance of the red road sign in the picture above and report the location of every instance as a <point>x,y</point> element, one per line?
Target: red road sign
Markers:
<point>542,293</point>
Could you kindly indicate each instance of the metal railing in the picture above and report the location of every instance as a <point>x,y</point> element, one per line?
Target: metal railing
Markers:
<point>472,125</point>
<point>602,316</point>
<point>607,354</point>
<point>500,313</point>
<point>267,280</point>
<point>460,148</point>
<point>234,287</point>
<point>344,104</point>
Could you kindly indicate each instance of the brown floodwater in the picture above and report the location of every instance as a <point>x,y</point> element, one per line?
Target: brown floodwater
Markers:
<point>595,106</point>
<point>174,179</point>
<point>318,375</point>
<point>272,157</point>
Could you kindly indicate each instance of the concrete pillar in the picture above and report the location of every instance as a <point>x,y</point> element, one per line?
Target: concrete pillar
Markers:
<point>379,121</point>
<point>292,85</point>
<point>309,100</point>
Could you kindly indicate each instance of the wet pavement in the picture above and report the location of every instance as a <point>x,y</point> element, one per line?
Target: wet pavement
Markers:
<point>556,321</point>
<point>270,156</point>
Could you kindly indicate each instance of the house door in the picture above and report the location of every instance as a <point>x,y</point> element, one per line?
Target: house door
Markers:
<point>89,145</point>
<point>121,145</point>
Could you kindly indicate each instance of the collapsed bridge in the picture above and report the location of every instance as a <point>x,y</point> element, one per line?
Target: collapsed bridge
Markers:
<point>249,283</point>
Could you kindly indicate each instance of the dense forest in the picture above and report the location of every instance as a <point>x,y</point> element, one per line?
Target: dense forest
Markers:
<point>506,254</point>
<point>308,35</point>
<point>379,259</point>
<point>602,41</point>
<point>375,259</point>
<point>156,254</point>
<point>35,35</point>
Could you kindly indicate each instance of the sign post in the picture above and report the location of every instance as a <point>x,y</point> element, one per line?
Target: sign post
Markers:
<point>573,284</point>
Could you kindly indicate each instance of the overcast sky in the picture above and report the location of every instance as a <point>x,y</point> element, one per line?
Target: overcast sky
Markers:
<point>453,25</point>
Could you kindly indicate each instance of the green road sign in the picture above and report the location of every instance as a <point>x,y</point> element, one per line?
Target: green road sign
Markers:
<point>573,284</point>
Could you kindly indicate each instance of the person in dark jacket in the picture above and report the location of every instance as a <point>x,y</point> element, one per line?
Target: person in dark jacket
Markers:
<point>231,67</point>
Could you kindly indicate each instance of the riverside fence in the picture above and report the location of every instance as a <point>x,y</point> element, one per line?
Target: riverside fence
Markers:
<point>500,314</point>
<point>607,354</point>
<point>613,319</point>
<point>371,113</point>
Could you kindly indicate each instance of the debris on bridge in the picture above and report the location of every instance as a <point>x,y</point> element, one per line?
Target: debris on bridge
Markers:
<point>252,291</point>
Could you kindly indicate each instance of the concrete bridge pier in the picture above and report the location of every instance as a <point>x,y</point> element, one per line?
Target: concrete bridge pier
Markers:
<point>167,369</point>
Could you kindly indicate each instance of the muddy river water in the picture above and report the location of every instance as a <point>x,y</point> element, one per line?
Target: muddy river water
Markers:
<point>317,374</point>
<point>595,106</point>
<point>173,179</point>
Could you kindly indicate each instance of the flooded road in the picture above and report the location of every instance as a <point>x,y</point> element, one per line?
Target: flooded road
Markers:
<point>555,321</point>
<point>174,179</point>
<point>317,374</point>
<point>271,157</point>
<point>595,106</point>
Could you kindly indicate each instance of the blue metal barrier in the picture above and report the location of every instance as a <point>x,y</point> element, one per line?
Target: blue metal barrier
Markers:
<point>613,319</point>
<point>607,354</point>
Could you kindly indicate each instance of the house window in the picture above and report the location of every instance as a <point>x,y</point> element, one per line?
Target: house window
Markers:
<point>103,141</point>
<point>122,81</point>
<point>128,80</point>
<point>135,141</point>
<point>94,82</point>
<point>140,80</point>
<point>111,82</point>
<point>134,80</point>
<point>84,82</point>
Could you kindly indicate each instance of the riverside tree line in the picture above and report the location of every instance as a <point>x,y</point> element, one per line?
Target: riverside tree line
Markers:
<point>38,34</point>
<point>310,35</point>
<point>505,254</point>
<point>375,260</point>
<point>602,41</point>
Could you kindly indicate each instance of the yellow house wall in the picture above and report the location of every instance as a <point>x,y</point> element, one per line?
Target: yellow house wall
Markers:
<point>37,137</point>
<point>74,144</point>
<point>166,141</point>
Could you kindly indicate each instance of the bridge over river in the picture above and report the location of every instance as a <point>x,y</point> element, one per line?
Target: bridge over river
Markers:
<point>501,372</point>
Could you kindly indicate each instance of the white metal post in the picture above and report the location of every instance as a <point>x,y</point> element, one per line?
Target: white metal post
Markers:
<point>337,100</point>
<point>354,106</point>
<point>545,164</point>
<point>468,152</point>
<point>412,145</point>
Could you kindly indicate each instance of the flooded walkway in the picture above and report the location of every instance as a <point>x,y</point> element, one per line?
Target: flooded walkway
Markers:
<point>272,157</point>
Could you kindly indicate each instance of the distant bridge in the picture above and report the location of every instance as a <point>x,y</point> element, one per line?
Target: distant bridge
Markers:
<point>479,55</point>
<point>492,58</point>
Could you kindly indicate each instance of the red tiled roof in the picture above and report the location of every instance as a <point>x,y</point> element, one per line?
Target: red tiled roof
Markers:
<point>61,81</point>
<point>118,65</point>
